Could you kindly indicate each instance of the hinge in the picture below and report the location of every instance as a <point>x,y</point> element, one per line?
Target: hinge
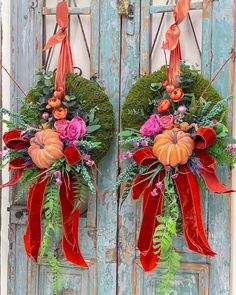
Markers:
<point>130,29</point>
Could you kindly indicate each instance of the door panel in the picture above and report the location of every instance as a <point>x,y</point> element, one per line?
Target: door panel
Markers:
<point>119,53</point>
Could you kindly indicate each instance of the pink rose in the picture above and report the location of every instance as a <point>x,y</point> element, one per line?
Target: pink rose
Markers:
<point>167,122</point>
<point>60,125</point>
<point>151,126</point>
<point>76,128</point>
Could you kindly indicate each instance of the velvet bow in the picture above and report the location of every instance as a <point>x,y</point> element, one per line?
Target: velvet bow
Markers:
<point>67,194</point>
<point>189,195</point>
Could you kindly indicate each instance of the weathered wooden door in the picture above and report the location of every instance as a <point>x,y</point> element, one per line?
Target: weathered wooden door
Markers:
<point>120,50</point>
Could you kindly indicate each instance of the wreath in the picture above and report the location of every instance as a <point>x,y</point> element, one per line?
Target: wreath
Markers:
<point>84,97</point>
<point>141,98</point>
<point>173,138</point>
<point>65,127</point>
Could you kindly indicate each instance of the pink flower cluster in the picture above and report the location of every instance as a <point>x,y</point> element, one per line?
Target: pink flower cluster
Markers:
<point>156,124</point>
<point>71,130</point>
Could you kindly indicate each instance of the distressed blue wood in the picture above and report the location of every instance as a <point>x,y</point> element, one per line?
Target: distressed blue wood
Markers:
<point>25,277</point>
<point>72,10</point>
<point>168,8</point>
<point>107,211</point>
<point>127,214</point>
<point>222,40</point>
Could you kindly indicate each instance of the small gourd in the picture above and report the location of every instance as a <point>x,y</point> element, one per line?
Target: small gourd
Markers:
<point>173,147</point>
<point>46,147</point>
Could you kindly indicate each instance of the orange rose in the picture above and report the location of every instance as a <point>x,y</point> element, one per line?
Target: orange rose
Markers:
<point>59,113</point>
<point>170,88</point>
<point>163,106</point>
<point>53,103</point>
<point>57,94</point>
<point>165,83</point>
<point>177,94</point>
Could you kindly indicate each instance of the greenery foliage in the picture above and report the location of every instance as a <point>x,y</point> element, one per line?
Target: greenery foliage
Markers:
<point>163,238</point>
<point>142,97</point>
<point>89,96</point>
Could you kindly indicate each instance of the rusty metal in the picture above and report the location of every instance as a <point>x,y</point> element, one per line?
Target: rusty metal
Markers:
<point>158,31</point>
<point>82,30</point>
<point>194,34</point>
<point>50,51</point>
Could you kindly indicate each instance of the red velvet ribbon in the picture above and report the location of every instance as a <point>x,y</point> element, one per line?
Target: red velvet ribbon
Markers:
<point>72,155</point>
<point>70,216</point>
<point>189,195</point>
<point>70,222</point>
<point>172,40</point>
<point>13,140</point>
<point>32,238</point>
<point>65,61</point>
<point>152,207</point>
<point>190,201</point>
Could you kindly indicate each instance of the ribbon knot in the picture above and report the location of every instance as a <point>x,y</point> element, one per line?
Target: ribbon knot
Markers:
<point>172,40</point>
<point>65,61</point>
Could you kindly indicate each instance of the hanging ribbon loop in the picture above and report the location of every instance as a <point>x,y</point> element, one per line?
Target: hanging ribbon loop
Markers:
<point>172,40</point>
<point>65,61</point>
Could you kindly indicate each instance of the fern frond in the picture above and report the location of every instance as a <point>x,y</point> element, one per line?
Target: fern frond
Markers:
<point>56,272</point>
<point>163,238</point>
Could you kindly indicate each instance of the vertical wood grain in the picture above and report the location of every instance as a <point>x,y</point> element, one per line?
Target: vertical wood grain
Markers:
<point>130,58</point>
<point>145,37</point>
<point>221,24</point>
<point>107,211</point>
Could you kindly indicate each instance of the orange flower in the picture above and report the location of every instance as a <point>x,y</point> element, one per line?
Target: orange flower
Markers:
<point>165,83</point>
<point>170,88</point>
<point>177,94</point>
<point>57,94</point>
<point>53,103</point>
<point>163,105</point>
<point>59,113</point>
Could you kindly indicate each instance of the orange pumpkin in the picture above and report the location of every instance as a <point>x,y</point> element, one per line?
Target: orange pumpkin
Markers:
<point>173,147</point>
<point>46,147</point>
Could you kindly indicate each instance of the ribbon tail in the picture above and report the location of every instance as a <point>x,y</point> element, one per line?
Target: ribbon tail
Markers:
<point>189,195</point>
<point>174,66</point>
<point>213,183</point>
<point>208,173</point>
<point>14,180</point>
<point>152,207</point>
<point>32,238</point>
<point>65,64</point>
<point>70,223</point>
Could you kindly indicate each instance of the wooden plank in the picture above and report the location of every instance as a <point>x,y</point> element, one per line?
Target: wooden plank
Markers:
<point>1,142</point>
<point>95,34</point>
<point>169,8</point>
<point>129,68</point>
<point>222,24</point>
<point>26,44</point>
<point>72,11</point>
<point>145,37</point>
<point>191,278</point>
<point>206,38</point>
<point>107,210</point>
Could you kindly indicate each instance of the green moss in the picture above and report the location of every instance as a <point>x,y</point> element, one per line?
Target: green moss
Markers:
<point>89,95</point>
<point>140,95</point>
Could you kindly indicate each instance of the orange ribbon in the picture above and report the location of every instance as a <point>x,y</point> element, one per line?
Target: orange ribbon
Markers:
<point>172,41</point>
<point>65,61</point>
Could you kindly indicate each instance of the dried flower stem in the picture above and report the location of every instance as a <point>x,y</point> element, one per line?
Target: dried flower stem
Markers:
<point>232,54</point>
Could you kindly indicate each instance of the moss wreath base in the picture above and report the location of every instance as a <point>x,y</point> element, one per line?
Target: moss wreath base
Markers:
<point>89,95</point>
<point>137,108</point>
